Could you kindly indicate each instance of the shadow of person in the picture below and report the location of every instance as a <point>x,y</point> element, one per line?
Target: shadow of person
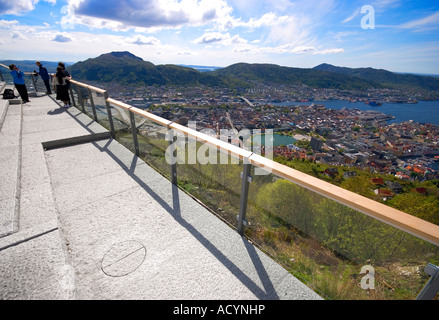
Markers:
<point>56,111</point>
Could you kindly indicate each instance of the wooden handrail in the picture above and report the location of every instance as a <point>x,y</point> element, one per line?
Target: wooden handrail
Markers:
<point>99,90</point>
<point>201,137</point>
<point>399,219</point>
<point>391,216</point>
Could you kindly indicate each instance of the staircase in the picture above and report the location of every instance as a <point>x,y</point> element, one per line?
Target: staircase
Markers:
<point>10,158</point>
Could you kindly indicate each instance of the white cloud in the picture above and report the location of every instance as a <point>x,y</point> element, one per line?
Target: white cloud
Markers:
<point>267,20</point>
<point>426,22</point>
<point>63,37</point>
<point>303,49</point>
<point>16,35</point>
<point>242,50</point>
<point>219,38</point>
<point>378,5</point>
<point>142,40</point>
<point>352,16</point>
<point>212,37</point>
<point>18,7</point>
<point>8,24</point>
<point>330,51</point>
<point>151,14</point>
<point>298,50</point>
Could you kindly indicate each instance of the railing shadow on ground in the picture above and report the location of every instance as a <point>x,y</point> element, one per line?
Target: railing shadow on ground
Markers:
<point>174,209</point>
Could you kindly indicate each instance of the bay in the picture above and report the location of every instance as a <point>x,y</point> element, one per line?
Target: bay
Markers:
<point>423,111</point>
<point>276,139</point>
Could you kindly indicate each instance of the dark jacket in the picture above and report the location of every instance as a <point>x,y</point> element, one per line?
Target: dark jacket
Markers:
<point>44,74</point>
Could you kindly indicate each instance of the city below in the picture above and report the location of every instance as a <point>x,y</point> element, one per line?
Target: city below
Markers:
<point>348,137</point>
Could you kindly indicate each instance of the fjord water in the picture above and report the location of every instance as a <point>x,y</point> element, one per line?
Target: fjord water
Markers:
<point>423,111</point>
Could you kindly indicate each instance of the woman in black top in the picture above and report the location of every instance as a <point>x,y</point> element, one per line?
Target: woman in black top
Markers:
<point>62,90</point>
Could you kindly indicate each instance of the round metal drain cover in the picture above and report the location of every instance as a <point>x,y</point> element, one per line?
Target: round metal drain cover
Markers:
<point>123,258</point>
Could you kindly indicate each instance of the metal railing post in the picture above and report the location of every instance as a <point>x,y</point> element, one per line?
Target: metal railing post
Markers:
<point>134,129</point>
<point>81,100</point>
<point>173,165</point>
<point>34,82</point>
<point>245,184</point>
<point>72,96</point>
<point>95,115</point>
<point>431,289</point>
<point>110,116</point>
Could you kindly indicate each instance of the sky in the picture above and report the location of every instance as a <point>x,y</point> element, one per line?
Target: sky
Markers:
<point>396,35</point>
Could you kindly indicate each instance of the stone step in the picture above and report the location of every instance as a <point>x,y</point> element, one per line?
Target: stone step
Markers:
<point>10,156</point>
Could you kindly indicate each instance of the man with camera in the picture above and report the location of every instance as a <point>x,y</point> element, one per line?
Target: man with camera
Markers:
<point>19,82</point>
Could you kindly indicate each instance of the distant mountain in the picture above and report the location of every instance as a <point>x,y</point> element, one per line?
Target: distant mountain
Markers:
<point>30,66</point>
<point>127,69</point>
<point>270,73</point>
<point>384,77</point>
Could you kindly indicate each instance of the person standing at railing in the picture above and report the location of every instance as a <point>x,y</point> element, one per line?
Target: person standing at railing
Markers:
<point>62,91</point>
<point>67,74</point>
<point>63,66</point>
<point>45,76</point>
<point>19,83</point>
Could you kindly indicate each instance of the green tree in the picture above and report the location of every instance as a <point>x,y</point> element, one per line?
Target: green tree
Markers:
<point>360,185</point>
<point>287,203</point>
<point>421,206</point>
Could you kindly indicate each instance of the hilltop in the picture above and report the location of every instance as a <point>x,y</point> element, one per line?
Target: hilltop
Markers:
<point>384,77</point>
<point>125,68</point>
<point>128,69</point>
<point>274,74</point>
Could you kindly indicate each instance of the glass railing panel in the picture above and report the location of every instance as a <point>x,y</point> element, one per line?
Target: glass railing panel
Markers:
<point>29,83</point>
<point>122,126</point>
<point>39,84</point>
<point>212,176</point>
<point>121,119</point>
<point>85,95</point>
<point>81,97</point>
<point>7,77</point>
<point>74,97</point>
<point>153,145</point>
<point>328,245</point>
<point>101,109</point>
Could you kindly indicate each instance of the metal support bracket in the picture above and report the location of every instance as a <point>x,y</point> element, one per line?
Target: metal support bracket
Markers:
<point>431,289</point>
<point>173,166</point>
<point>110,116</point>
<point>81,100</point>
<point>72,97</point>
<point>92,103</point>
<point>134,131</point>
<point>245,184</point>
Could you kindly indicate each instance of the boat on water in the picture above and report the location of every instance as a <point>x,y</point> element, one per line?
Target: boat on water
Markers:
<point>373,103</point>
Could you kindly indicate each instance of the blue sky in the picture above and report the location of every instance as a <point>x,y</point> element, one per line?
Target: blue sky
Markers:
<point>396,35</point>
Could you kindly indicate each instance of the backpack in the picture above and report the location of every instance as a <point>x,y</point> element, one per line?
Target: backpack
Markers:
<point>8,94</point>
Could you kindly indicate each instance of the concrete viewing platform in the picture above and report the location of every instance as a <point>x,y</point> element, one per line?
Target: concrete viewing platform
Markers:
<point>83,218</point>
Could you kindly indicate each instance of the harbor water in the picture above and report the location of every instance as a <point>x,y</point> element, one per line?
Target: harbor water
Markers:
<point>423,111</point>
